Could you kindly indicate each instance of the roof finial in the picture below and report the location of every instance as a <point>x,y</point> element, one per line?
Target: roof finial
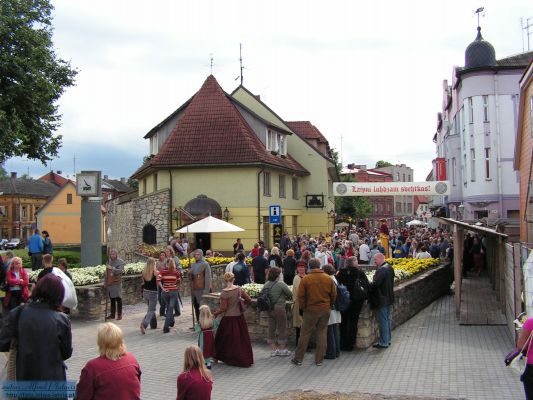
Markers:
<point>211,62</point>
<point>478,12</point>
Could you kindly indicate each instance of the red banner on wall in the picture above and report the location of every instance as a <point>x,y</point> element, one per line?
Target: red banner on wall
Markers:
<point>440,169</point>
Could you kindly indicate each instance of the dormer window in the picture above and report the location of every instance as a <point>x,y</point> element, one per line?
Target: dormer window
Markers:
<point>276,142</point>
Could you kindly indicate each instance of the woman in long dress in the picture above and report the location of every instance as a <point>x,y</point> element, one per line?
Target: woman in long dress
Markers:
<point>232,341</point>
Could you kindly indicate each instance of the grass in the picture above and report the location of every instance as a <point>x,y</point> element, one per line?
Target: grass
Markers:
<point>73,257</point>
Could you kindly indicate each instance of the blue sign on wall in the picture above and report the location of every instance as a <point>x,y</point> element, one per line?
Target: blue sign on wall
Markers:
<point>275,215</point>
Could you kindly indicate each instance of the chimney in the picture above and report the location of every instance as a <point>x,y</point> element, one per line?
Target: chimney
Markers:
<point>123,180</point>
<point>13,175</point>
<point>351,166</point>
<point>361,167</point>
<point>59,172</point>
<point>258,97</point>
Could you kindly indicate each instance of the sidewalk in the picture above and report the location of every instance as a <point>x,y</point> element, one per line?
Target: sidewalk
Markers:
<point>431,355</point>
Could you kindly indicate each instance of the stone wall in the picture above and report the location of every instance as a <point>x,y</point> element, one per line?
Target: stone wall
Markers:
<point>91,298</point>
<point>126,216</point>
<point>410,298</point>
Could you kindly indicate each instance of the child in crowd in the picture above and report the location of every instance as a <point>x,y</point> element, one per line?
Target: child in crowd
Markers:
<point>195,382</point>
<point>206,334</point>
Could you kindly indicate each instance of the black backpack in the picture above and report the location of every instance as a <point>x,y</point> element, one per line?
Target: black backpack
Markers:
<point>342,302</point>
<point>264,302</point>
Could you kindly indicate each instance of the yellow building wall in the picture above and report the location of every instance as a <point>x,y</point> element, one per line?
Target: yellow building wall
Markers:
<point>62,220</point>
<point>236,189</point>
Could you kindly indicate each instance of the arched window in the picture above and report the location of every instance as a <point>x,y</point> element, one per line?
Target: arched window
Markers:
<point>149,234</point>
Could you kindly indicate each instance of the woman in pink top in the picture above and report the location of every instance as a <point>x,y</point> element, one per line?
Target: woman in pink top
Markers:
<point>527,376</point>
<point>115,374</point>
<point>195,382</point>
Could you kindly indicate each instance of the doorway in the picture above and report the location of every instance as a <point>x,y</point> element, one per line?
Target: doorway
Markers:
<point>203,241</point>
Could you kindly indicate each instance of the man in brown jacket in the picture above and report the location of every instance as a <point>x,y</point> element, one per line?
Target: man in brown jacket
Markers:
<point>316,295</point>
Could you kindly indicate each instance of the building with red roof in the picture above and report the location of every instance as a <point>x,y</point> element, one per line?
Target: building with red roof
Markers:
<point>231,156</point>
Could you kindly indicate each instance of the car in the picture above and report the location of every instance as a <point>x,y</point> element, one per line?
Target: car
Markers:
<point>3,242</point>
<point>12,244</point>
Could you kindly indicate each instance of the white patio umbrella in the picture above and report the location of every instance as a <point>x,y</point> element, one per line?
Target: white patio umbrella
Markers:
<point>208,225</point>
<point>415,222</point>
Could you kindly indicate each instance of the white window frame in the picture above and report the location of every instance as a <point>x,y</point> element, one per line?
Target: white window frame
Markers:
<point>153,144</point>
<point>473,165</point>
<point>485,108</point>
<point>487,164</point>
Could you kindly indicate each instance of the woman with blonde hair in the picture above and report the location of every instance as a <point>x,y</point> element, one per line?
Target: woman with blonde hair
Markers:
<point>169,281</point>
<point>149,287</point>
<point>274,260</point>
<point>195,382</point>
<point>116,374</point>
<point>232,341</point>
<point>206,334</point>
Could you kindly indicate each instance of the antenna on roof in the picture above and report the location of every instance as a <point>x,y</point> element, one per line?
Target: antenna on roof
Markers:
<point>211,60</point>
<point>525,27</point>
<point>478,12</point>
<point>240,61</point>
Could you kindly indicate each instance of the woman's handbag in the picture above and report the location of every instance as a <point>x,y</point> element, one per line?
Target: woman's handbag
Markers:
<point>517,361</point>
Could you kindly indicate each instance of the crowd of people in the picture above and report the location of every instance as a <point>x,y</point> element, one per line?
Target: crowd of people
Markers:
<point>323,271</point>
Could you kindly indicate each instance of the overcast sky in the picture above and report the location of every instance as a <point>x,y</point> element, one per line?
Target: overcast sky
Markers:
<point>369,72</point>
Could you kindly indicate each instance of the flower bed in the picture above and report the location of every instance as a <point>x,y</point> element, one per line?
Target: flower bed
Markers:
<point>404,268</point>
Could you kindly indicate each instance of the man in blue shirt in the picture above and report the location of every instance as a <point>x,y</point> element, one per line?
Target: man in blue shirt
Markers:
<point>35,248</point>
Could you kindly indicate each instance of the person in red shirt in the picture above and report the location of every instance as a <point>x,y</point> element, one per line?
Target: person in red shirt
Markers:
<point>116,374</point>
<point>195,382</point>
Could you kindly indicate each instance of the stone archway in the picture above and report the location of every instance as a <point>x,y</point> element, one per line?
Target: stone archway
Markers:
<point>149,234</point>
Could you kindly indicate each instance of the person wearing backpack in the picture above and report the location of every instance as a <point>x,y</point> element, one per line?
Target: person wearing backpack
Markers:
<point>279,293</point>
<point>316,297</point>
<point>357,284</point>
<point>333,349</point>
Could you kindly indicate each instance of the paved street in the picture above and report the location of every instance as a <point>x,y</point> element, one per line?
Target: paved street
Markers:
<point>431,355</point>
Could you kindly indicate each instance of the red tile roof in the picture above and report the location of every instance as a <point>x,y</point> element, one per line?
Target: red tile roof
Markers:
<point>54,178</point>
<point>212,132</point>
<point>307,130</point>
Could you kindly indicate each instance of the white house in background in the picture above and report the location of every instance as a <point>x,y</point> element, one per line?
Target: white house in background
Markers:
<point>475,135</point>
<point>422,211</point>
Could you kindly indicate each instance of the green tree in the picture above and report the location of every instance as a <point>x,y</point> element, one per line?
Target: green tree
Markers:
<point>382,163</point>
<point>32,79</point>
<point>356,207</point>
<point>335,158</point>
<point>133,183</point>
<point>3,172</point>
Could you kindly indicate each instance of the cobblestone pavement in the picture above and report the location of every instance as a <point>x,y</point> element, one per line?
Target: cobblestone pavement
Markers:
<point>431,356</point>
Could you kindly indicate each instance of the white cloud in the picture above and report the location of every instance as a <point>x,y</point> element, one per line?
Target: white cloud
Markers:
<point>369,71</point>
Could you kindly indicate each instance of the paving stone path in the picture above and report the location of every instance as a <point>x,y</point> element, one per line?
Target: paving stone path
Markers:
<point>432,356</point>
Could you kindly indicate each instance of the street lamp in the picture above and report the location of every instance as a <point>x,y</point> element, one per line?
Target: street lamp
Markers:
<point>226,214</point>
<point>176,215</point>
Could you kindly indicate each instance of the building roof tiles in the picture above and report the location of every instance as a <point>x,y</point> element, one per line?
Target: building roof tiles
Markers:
<point>212,132</point>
